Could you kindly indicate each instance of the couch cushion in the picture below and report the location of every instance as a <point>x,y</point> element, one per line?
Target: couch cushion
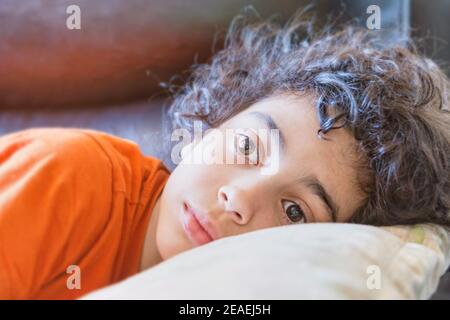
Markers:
<point>126,48</point>
<point>122,52</point>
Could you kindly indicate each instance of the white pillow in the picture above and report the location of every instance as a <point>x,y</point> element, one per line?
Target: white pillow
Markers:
<point>311,261</point>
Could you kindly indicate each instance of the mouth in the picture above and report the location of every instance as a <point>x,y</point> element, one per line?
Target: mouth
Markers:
<point>196,225</point>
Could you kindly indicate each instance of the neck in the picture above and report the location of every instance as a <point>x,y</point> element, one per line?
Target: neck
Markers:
<point>150,254</point>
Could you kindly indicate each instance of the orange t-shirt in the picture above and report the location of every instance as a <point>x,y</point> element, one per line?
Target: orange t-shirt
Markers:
<point>72,197</point>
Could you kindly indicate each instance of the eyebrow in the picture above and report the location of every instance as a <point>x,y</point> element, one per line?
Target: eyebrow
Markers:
<point>311,181</point>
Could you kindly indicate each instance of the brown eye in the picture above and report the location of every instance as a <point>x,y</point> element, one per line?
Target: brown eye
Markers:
<point>294,212</point>
<point>245,145</point>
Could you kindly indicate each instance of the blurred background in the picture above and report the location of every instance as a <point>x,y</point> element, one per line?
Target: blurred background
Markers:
<point>107,75</point>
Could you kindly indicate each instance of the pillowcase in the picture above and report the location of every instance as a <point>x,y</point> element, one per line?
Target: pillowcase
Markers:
<point>310,261</point>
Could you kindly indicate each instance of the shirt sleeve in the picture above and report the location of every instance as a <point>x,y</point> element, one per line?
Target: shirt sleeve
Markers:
<point>55,198</point>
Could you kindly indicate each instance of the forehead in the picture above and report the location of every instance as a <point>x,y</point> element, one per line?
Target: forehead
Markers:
<point>333,161</point>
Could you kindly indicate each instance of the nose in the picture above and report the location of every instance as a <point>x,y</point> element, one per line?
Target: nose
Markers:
<point>237,203</point>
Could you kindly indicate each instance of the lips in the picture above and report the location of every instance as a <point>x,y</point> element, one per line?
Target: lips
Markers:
<point>196,225</point>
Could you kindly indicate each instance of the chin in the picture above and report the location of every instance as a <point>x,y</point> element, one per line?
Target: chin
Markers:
<point>169,246</point>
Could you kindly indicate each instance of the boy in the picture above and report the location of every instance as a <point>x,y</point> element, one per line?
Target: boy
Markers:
<point>363,137</point>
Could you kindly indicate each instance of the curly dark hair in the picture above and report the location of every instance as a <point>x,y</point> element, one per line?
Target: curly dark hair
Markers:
<point>393,100</point>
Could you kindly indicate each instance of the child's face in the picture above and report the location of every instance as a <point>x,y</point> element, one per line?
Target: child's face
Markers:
<point>232,199</point>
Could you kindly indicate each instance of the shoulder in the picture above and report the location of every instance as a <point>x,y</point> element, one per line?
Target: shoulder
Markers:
<point>63,158</point>
<point>80,155</point>
<point>59,175</point>
<point>55,192</point>
<point>68,147</point>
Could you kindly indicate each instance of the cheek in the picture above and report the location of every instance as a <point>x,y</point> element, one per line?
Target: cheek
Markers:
<point>170,238</point>
<point>192,182</point>
<point>272,219</point>
<point>198,179</point>
<point>263,219</point>
<point>203,167</point>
